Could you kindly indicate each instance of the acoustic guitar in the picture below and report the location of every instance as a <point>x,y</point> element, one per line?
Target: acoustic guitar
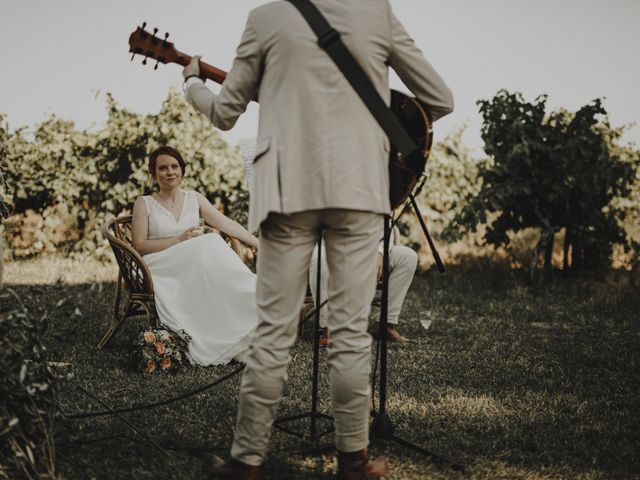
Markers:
<point>409,111</point>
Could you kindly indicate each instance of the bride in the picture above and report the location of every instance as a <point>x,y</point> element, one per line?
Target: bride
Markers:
<point>201,286</point>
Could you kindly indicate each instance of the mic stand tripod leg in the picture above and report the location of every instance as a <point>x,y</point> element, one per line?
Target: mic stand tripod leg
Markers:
<point>382,426</point>
<point>432,245</point>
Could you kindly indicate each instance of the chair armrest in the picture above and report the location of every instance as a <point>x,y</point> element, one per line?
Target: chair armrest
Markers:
<point>234,243</point>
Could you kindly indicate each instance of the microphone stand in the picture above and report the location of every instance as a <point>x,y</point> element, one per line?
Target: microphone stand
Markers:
<point>382,426</point>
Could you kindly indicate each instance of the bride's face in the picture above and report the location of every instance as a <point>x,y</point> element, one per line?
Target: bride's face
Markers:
<point>168,172</point>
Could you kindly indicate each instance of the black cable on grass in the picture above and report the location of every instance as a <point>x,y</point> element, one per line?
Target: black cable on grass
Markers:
<point>168,401</point>
<point>122,419</point>
<point>117,412</point>
<point>182,448</point>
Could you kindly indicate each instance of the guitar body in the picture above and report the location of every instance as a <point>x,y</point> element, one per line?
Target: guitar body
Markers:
<point>416,122</point>
<point>412,116</point>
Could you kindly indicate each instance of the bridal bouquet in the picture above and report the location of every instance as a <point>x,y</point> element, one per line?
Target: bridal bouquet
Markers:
<point>163,350</point>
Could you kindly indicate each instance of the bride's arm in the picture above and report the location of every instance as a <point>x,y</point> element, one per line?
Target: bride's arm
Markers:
<point>140,232</point>
<point>218,221</point>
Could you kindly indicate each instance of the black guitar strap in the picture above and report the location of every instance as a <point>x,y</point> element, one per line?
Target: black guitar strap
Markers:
<point>330,41</point>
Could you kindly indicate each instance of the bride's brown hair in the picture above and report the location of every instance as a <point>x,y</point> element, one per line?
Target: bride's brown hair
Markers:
<point>165,150</point>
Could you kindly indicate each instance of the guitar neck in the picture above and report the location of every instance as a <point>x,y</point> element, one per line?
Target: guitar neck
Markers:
<point>144,43</point>
<point>207,71</point>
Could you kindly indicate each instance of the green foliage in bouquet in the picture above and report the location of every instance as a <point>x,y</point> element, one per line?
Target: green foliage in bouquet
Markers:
<point>28,391</point>
<point>68,183</point>
<point>163,350</point>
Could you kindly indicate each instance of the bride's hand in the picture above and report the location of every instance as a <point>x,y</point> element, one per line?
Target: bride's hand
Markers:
<point>190,233</point>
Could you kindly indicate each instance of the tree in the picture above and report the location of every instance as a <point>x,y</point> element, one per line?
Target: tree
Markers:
<point>550,172</point>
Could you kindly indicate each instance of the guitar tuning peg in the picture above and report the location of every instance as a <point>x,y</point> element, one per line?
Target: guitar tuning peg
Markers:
<point>133,55</point>
<point>144,62</point>
<point>144,24</point>
<point>164,42</point>
<point>156,66</point>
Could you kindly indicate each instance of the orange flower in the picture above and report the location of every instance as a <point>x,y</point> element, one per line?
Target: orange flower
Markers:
<point>160,347</point>
<point>149,337</point>
<point>151,366</point>
<point>165,363</point>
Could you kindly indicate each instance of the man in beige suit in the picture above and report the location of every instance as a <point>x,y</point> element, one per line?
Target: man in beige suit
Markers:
<point>320,165</point>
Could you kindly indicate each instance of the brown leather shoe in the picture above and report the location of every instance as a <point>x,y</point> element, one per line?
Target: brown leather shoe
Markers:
<point>357,466</point>
<point>393,336</point>
<point>233,470</point>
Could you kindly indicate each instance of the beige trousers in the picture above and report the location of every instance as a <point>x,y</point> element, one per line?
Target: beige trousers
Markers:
<point>402,265</point>
<point>286,243</point>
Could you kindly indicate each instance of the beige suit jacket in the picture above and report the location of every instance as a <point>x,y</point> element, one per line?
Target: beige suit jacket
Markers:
<point>318,145</point>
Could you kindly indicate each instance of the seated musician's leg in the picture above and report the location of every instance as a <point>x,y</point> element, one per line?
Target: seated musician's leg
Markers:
<point>402,266</point>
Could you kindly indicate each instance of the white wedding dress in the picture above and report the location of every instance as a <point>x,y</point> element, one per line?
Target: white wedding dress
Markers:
<point>201,286</point>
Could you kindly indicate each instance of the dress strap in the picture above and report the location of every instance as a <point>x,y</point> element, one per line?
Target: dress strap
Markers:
<point>193,206</point>
<point>147,204</point>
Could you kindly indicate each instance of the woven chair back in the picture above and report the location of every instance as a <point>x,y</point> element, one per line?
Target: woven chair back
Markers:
<point>135,273</point>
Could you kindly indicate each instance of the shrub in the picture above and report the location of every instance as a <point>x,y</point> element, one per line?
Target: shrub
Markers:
<point>28,390</point>
<point>452,180</point>
<point>69,183</point>
<point>5,197</point>
<point>5,194</point>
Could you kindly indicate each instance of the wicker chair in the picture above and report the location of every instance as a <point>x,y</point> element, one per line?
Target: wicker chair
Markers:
<point>134,278</point>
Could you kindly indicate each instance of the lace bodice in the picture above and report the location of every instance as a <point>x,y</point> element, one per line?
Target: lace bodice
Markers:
<point>163,224</point>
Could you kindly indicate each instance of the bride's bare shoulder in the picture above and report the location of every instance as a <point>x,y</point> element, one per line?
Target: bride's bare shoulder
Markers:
<point>140,204</point>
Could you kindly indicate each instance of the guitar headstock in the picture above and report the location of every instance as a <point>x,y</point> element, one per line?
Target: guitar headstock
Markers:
<point>144,43</point>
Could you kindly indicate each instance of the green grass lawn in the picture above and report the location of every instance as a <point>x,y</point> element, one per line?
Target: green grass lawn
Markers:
<point>512,382</point>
